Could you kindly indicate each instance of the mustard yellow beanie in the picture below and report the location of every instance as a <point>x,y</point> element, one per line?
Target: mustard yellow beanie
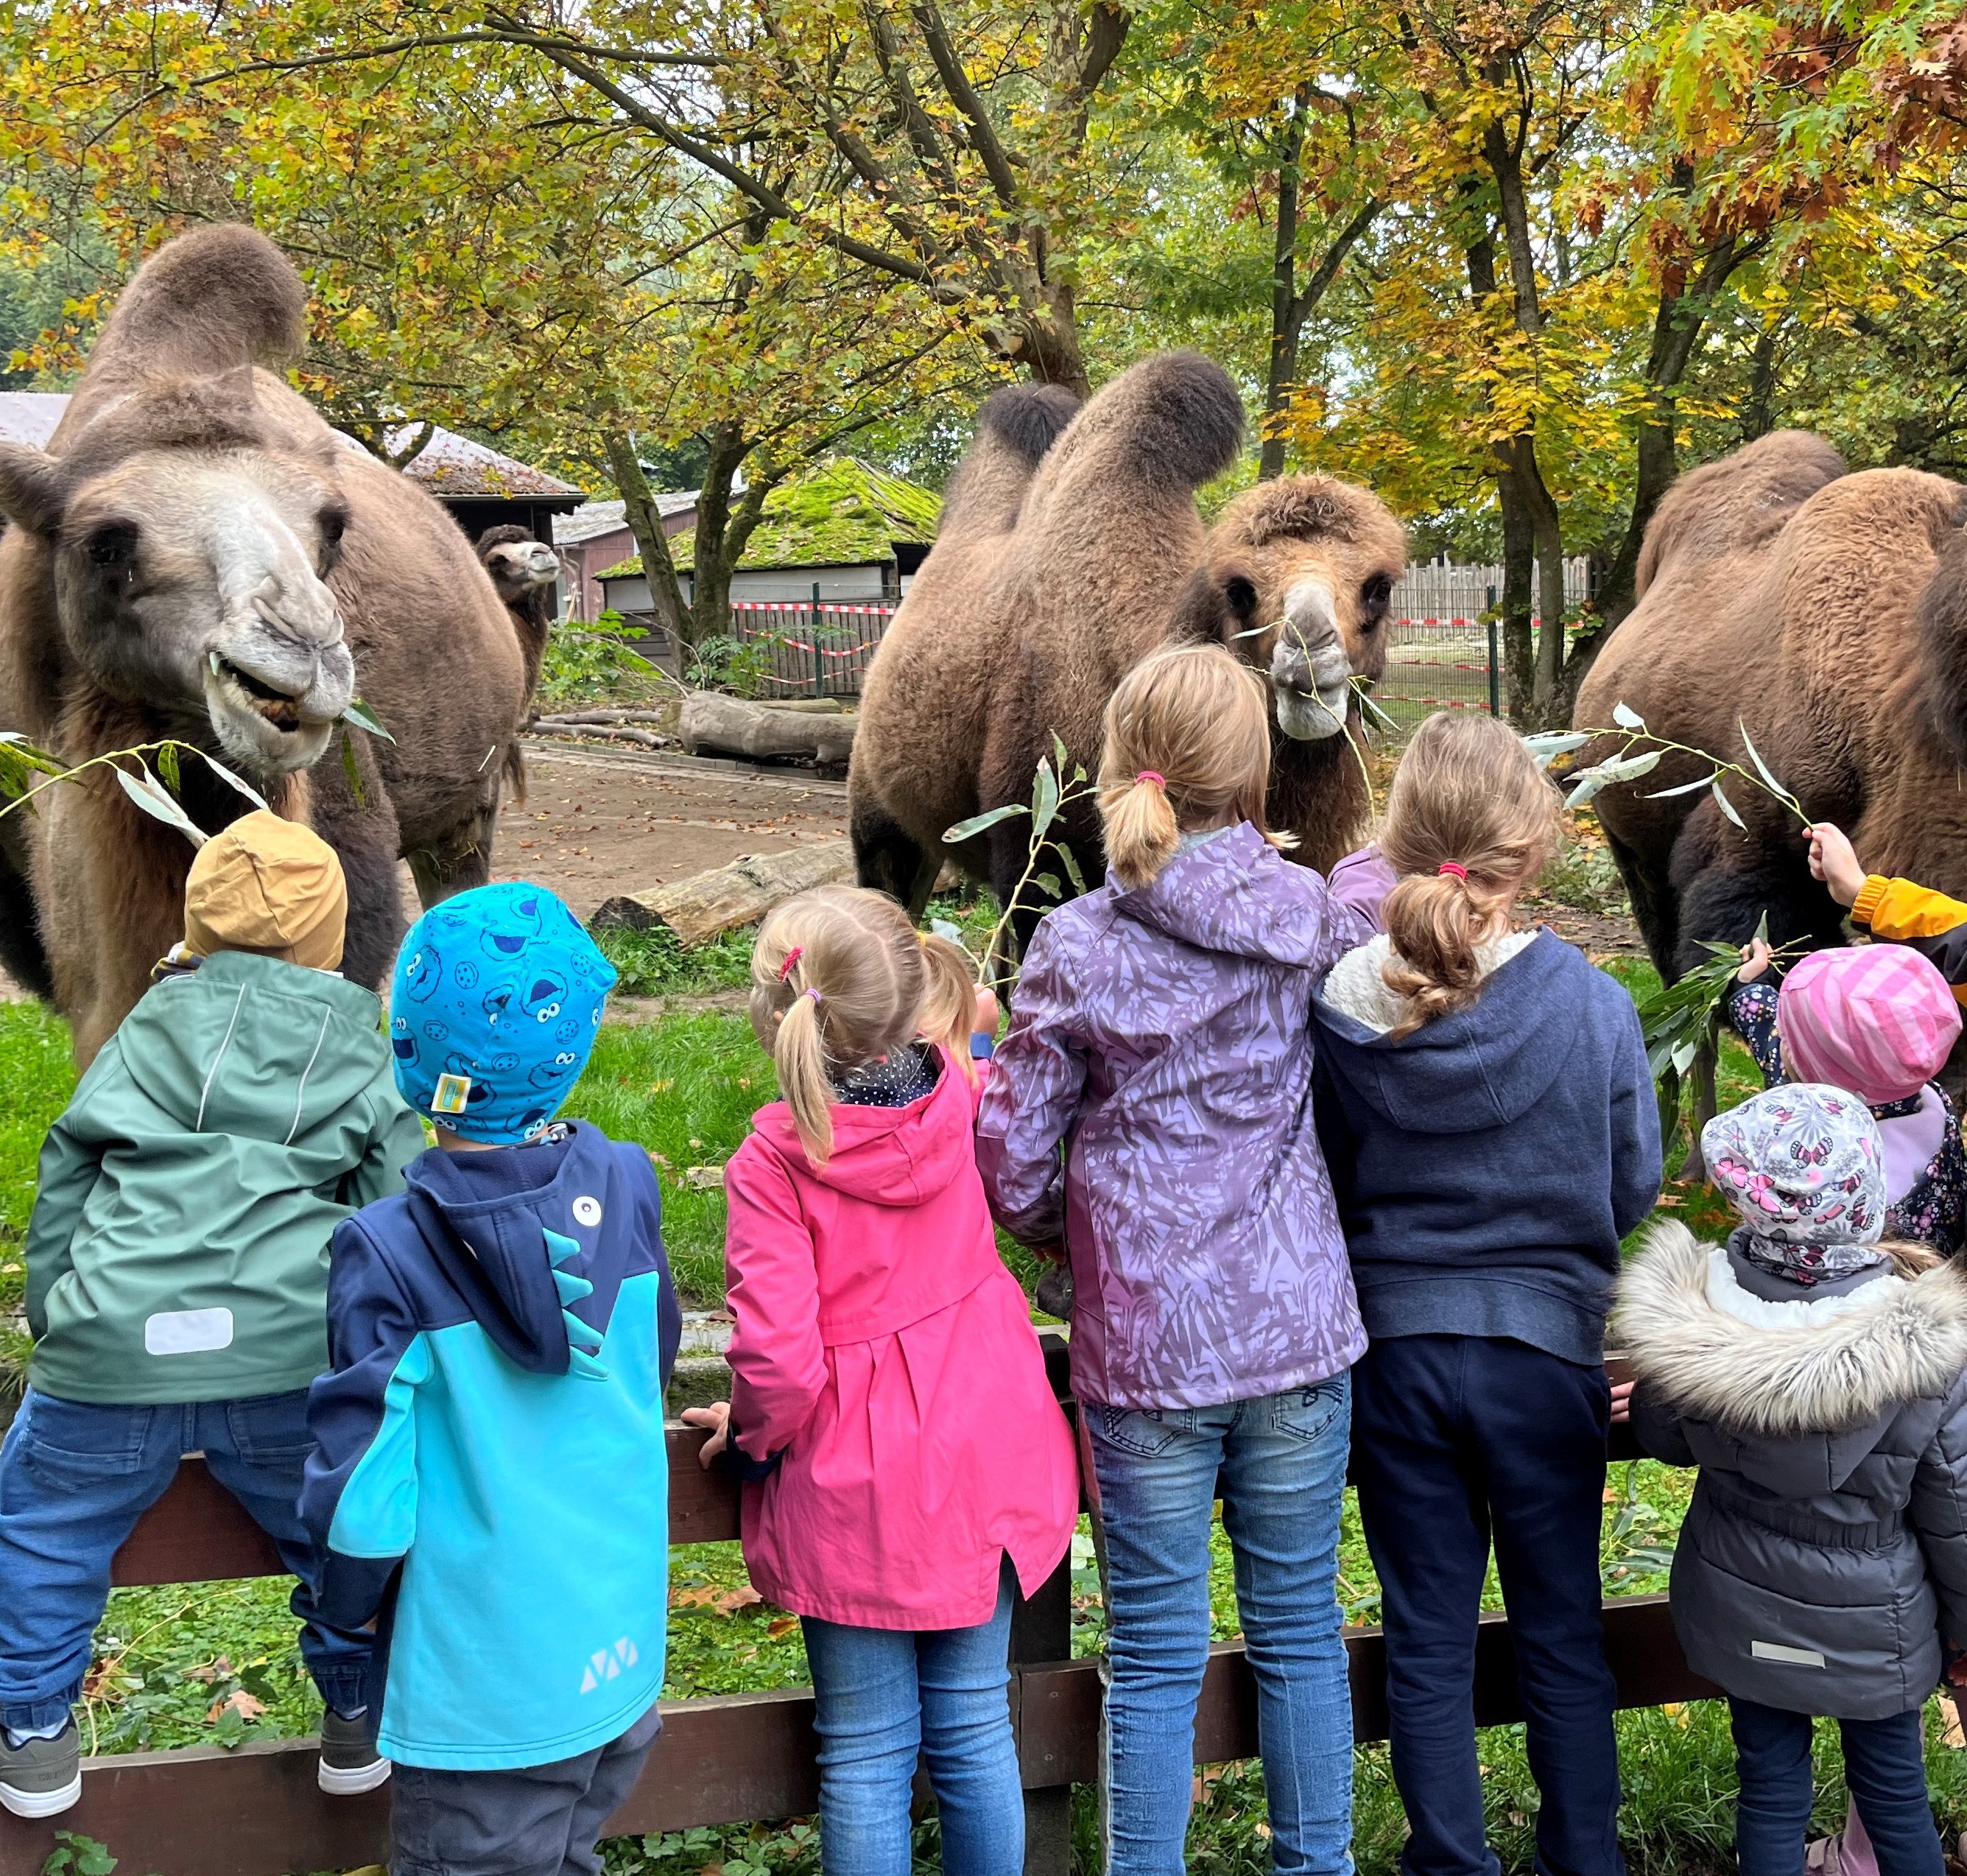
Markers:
<point>268,885</point>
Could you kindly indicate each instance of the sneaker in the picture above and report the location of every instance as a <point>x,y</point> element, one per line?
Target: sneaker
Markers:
<point>349,1760</point>
<point>43,1777</point>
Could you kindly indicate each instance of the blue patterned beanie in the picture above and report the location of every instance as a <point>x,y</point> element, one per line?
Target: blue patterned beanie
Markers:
<point>493,1008</point>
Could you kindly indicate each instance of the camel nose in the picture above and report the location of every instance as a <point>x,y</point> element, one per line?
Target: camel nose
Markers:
<point>293,601</point>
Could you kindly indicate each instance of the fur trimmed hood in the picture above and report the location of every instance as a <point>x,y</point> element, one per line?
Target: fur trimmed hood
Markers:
<point>1712,1349</point>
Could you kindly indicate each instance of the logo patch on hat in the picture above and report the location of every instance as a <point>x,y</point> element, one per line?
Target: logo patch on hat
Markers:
<point>454,1093</point>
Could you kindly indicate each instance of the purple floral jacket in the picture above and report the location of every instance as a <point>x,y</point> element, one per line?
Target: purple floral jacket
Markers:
<point>1164,1038</point>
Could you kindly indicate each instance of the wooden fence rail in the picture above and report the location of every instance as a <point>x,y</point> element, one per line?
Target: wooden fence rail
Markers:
<point>255,1810</point>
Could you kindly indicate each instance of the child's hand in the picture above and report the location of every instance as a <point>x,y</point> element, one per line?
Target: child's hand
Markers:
<point>1756,956</point>
<point>1833,860</point>
<point>1622,1401</point>
<point>1957,1670</point>
<point>716,1416</point>
<point>988,1015</point>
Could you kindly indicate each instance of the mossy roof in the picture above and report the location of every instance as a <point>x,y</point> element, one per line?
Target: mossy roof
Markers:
<point>841,513</point>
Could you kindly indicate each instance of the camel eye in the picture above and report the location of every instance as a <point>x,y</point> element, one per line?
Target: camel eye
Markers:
<point>332,524</point>
<point>111,544</point>
<point>1374,596</point>
<point>1241,595</point>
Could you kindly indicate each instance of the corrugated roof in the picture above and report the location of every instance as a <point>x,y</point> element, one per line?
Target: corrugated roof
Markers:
<point>591,519</point>
<point>842,513</point>
<point>448,465</point>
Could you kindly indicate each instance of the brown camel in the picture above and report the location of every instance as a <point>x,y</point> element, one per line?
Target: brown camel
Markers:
<point>197,556</point>
<point>1827,612</point>
<point>523,572</point>
<point>1069,546</point>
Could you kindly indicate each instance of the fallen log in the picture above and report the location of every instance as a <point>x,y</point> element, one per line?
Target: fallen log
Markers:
<point>697,909</point>
<point>736,727</point>
<point>605,732</point>
<point>601,716</point>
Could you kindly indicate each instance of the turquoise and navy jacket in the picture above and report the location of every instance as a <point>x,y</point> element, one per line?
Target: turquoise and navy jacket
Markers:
<point>489,1475</point>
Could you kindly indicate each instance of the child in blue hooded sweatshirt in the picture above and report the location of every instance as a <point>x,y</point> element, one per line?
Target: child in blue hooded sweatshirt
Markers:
<point>1484,1101</point>
<point>490,1479</point>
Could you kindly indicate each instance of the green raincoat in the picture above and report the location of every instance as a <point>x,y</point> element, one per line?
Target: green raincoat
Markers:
<point>179,1246</point>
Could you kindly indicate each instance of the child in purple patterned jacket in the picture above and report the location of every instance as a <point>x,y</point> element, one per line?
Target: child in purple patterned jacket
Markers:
<point>1160,1037</point>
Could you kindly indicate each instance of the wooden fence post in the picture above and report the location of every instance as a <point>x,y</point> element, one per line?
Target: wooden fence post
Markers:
<point>1041,1631</point>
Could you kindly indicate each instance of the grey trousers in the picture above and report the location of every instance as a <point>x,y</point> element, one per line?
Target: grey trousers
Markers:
<point>536,1820</point>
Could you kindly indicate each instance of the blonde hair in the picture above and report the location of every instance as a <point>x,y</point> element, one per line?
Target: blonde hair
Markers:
<point>1188,740</point>
<point>1907,1258</point>
<point>1469,797</point>
<point>840,978</point>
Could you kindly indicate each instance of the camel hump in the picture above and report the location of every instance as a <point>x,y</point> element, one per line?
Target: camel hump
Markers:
<point>207,301</point>
<point>1175,420</point>
<point>1738,502</point>
<point>1028,418</point>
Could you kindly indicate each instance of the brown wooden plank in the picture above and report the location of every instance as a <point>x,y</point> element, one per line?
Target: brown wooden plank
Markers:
<point>198,1532</point>
<point>255,1812</point>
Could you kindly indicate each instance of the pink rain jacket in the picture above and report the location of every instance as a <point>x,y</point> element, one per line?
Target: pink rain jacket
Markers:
<point>883,1347</point>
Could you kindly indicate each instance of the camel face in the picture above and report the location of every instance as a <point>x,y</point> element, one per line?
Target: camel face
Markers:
<point>194,583</point>
<point>1306,567</point>
<point>521,568</point>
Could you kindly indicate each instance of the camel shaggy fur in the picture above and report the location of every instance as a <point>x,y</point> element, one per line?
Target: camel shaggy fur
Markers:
<point>523,571</point>
<point>1070,547</point>
<point>197,555</point>
<point>1826,612</point>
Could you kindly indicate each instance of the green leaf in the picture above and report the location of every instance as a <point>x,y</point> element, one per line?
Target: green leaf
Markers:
<point>1071,866</point>
<point>353,770</point>
<point>968,829</point>
<point>156,800</point>
<point>1047,883</point>
<point>362,717</point>
<point>1631,767</point>
<point>1761,768</point>
<point>84,1855</point>
<point>1549,744</point>
<point>1686,788</point>
<point>167,765</point>
<point>1727,807</point>
<point>1059,756</point>
<point>1045,801</point>
<point>1626,717</point>
<point>245,787</point>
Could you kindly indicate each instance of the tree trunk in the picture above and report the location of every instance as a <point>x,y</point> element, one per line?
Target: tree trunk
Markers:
<point>1285,324</point>
<point>1519,580</point>
<point>645,523</point>
<point>716,554</point>
<point>1759,413</point>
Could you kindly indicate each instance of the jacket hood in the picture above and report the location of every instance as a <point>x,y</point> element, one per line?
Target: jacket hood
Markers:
<point>254,1046</point>
<point>1214,896</point>
<point>1708,1347</point>
<point>886,1156</point>
<point>1480,1068</point>
<point>510,1225</point>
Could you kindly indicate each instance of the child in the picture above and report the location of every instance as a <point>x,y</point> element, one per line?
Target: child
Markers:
<point>887,1386</point>
<point>1814,1376</point>
<point>1486,1109</point>
<point>1879,1021</point>
<point>489,1477</point>
<point>177,1281</point>
<point>1152,1104</point>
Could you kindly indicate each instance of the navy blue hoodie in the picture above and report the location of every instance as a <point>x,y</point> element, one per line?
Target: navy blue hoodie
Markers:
<point>490,1473</point>
<point>1487,1165</point>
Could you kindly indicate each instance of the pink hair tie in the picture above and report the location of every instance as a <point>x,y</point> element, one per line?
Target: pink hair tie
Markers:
<point>792,958</point>
<point>1455,868</point>
<point>1153,775</point>
<point>813,993</point>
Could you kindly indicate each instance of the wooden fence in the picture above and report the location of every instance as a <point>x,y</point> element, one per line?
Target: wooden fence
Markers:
<point>257,1811</point>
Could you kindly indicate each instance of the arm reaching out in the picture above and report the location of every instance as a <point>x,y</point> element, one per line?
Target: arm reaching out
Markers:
<point>1833,860</point>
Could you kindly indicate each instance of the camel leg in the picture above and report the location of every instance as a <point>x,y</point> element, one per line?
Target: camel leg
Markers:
<point>1725,883</point>
<point>1653,907</point>
<point>23,954</point>
<point>366,839</point>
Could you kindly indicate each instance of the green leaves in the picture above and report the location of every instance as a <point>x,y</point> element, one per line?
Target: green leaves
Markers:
<point>156,801</point>
<point>78,1855</point>
<point>980,823</point>
<point>1588,783</point>
<point>362,717</point>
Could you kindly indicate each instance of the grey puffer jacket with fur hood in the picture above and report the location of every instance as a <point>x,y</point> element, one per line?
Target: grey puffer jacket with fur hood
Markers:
<point>1823,1566</point>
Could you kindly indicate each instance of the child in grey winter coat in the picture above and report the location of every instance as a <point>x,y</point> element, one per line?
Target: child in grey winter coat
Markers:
<point>1814,1375</point>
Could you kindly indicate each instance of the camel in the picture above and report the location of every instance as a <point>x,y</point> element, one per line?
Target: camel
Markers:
<point>1069,546</point>
<point>1827,612</point>
<point>197,555</point>
<point>523,572</point>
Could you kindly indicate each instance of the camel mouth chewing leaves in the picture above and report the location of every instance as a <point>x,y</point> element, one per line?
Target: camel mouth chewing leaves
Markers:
<point>278,707</point>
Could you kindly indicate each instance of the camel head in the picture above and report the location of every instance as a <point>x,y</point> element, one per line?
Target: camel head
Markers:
<point>519,565</point>
<point>187,540</point>
<point>1296,577</point>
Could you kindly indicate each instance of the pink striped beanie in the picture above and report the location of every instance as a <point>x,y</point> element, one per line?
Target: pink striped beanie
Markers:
<point>1877,1019</point>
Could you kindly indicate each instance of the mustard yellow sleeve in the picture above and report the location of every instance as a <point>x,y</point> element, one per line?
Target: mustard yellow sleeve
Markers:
<point>1897,909</point>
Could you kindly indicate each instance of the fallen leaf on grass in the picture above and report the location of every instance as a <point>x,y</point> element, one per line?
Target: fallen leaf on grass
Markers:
<point>783,1626</point>
<point>240,1701</point>
<point>700,1598</point>
<point>743,1596</point>
<point>704,1178</point>
<point>1671,1204</point>
<point>220,1669</point>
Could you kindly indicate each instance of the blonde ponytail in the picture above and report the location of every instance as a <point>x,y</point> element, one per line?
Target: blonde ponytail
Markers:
<point>1471,821</point>
<point>840,979</point>
<point>1188,744</point>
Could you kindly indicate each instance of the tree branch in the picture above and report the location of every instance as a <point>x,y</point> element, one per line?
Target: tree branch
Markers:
<point>990,152</point>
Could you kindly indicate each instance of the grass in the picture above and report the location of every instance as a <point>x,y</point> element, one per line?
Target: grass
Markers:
<point>38,1073</point>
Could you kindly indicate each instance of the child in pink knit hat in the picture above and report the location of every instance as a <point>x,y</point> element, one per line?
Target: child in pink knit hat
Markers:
<point>1878,1020</point>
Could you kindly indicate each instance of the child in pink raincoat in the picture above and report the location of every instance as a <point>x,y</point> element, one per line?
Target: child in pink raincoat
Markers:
<point>888,1393</point>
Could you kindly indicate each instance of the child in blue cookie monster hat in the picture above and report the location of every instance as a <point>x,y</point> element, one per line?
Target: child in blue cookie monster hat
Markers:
<point>512,1303</point>
<point>497,997</point>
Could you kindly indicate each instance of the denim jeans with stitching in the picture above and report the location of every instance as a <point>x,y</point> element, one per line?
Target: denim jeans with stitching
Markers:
<point>1884,1766</point>
<point>883,1698</point>
<point>1279,1462</point>
<point>75,1476</point>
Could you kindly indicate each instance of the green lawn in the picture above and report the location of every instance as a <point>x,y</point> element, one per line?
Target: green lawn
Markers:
<point>184,1664</point>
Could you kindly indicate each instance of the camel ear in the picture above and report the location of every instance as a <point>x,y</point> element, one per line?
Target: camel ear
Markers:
<point>33,489</point>
<point>1214,607</point>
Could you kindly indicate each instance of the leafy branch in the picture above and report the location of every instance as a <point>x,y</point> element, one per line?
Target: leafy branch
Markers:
<point>1624,766</point>
<point>1049,796</point>
<point>156,792</point>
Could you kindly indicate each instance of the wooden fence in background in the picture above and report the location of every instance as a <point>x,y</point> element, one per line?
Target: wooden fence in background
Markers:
<point>256,1811</point>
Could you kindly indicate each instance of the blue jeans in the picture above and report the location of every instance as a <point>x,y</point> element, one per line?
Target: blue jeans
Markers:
<point>883,1697</point>
<point>1462,1439</point>
<point>75,1476</point>
<point>1884,1766</point>
<point>1279,1463</point>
